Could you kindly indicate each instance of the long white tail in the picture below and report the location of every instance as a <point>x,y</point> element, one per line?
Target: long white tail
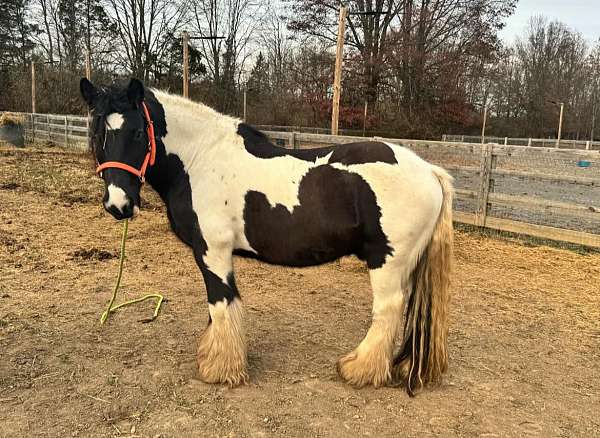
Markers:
<point>424,354</point>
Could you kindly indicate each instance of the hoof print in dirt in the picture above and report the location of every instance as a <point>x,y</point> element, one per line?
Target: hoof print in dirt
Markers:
<point>9,186</point>
<point>92,254</point>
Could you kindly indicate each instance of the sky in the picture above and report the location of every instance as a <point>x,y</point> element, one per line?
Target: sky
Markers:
<point>580,15</point>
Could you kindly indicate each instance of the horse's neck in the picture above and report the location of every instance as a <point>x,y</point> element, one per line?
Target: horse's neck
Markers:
<point>195,135</point>
<point>195,130</point>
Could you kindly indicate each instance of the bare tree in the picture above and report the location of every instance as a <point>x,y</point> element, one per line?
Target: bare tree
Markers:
<point>145,29</point>
<point>368,32</point>
<point>278,47</point>
<point>233,23</point>
<point>551,58</point>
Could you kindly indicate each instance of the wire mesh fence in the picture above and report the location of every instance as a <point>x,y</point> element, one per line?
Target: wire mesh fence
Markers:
<point>522,141</point>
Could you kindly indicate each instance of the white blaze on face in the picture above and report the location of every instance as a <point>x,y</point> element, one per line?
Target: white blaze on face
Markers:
<point>116,198</point>
<point>114,121</point>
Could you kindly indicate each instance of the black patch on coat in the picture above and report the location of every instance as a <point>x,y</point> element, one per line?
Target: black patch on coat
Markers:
<point>338,215</point>
<point>259,145</point>
<point>363,152</point>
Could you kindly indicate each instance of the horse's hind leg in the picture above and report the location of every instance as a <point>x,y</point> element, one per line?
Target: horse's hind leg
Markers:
<point>370,363</point>
<point>222,346</point>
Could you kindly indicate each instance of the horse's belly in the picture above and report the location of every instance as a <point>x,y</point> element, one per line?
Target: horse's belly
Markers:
<point>322,227</point>
<point>299,248</point>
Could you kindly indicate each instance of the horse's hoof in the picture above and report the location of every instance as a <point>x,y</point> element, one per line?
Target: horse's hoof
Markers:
<point>229,374</point>
<point>362,370</point>
<point>221,362</point>
<point>400,371</point>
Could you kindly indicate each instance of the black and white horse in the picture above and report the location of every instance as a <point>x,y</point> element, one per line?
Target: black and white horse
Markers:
<point>228,191</point>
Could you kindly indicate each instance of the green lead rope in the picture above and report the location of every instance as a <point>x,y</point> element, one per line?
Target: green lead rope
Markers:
<point>110,307</point>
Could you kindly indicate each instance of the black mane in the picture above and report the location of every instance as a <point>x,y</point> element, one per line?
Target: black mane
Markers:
<point>113,99</point>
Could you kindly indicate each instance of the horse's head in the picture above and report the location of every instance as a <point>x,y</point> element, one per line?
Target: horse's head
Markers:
<point>119,140</point>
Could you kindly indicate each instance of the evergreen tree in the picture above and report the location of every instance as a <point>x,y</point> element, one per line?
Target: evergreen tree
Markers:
<point>258,83</point>
<point>16,33</point>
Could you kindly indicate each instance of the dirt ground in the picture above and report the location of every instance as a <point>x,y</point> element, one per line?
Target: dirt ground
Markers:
<point>524,338</point>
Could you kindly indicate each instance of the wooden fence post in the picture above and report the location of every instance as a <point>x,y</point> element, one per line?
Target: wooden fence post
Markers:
<point>186,65</point>
<point>293,140</point>
<point>486,183</point>
<point>66,132</point>
<point>337,78</point>
<point>48,127</point>
<point>32,128</point>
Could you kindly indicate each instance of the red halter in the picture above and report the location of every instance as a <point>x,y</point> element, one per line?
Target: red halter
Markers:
<point>150,155</point>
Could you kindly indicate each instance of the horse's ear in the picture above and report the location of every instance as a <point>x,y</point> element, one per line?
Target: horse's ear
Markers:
<point>135,92</point>
<point>88,91</point>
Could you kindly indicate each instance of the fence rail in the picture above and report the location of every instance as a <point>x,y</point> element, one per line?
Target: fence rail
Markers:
<point>318,130</point>
<point>544,192</point>
<point>66,130</point>
<point>522,141</point>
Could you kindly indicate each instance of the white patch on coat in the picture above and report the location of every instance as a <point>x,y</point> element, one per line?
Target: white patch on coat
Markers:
<point>217,310</point>
<point>114,121</point>
<point>389,292</point>
<point>219,254</point>
<point>116,197</point>
<point>323,160</point>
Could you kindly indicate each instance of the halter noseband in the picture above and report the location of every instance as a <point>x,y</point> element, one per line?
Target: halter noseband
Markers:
<point>150,155</point>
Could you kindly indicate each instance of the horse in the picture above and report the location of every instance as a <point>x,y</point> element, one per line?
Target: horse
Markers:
<point>229,191</point>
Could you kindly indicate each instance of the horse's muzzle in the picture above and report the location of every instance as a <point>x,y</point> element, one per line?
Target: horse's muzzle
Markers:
<point>126,212</point>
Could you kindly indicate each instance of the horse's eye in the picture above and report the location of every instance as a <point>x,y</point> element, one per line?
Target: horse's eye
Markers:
<point>139,134</point>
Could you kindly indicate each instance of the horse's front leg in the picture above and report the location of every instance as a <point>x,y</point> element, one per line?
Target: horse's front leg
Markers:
<point>222,346</point>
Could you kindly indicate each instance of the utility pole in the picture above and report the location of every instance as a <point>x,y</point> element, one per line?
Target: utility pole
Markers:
<point>593,116</point>
<point>337,82</point>
<point>484,123</point>
<point>365,117</point>
<point>245,93</point>
<point>88,65</point>
<point>560,122</point>
<point>33,87</point>
<point>186,64</point>
<point>185,36</point>
<point>593,123</point>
